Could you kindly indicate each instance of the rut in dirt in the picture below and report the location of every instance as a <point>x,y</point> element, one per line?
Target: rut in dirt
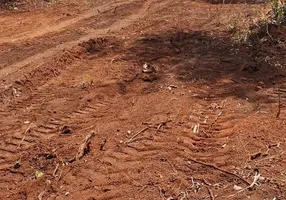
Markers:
<point>27,135</point>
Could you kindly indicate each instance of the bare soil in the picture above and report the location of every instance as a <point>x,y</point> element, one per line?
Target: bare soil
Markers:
<point>207,119</point>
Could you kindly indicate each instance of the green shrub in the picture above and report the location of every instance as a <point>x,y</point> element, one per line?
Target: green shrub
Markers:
<point>278,11</point>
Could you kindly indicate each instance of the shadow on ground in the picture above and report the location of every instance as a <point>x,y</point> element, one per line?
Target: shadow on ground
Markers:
<point>6,3</point>
<point>227,68</point>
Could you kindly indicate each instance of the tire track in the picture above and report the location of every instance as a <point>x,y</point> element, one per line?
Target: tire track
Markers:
<point>18,140</point>
<point>157,159</point>
<point>35,61</point>
<point>217,118</point>
<point>64,24</point>
<point>15,144</point>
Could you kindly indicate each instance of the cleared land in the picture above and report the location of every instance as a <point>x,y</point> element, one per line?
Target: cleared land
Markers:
<point>200,126</point>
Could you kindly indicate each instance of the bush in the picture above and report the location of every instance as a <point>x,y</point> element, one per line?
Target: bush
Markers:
<point>278,11</point>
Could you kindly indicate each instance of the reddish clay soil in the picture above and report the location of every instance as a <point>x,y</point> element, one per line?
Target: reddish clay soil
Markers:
<point>80,120</point>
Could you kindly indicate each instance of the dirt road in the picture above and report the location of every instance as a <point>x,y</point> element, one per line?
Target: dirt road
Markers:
<point>201,125</point>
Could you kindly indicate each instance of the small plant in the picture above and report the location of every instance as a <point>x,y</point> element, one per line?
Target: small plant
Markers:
<point>242,36</point>
<point>278,11</point>
<point>232,27</point>
<point>86,81</point>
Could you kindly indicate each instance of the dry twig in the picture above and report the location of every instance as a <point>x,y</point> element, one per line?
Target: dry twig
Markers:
<point>161,193</point>
<point>136,135</point>
<point>210,193</point>
<point>149,125</point>
<point>255,179</point>
<point>60,176</point>
<point>40,196</point>
<point>25,134</point>
<point>219,169</point>
<point>56,170</point>
<point>84,147</point>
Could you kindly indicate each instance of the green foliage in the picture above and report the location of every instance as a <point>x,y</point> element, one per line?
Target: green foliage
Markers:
<point>39,174</point>
<point>278,11</point>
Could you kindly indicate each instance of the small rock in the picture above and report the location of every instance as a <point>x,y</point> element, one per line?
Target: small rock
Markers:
<point>147,68</point>
<point>66,130</point>
<point>237,188</point>
<point>19,82</point>
<point>255,156</point>
<point>261,179</point>
<point>172,179</point>
<point>170,87</point>
<point>196,128</point>
<point>263,40</point>
<point>180,140</point>
<point>17,165</point>
<point>248,167</point>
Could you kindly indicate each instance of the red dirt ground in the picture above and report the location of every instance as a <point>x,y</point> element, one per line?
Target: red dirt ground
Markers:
<point>200,126</point>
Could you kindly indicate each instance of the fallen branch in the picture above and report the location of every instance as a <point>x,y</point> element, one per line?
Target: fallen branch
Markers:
<point>219,169</point>
<point>84,147</point>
